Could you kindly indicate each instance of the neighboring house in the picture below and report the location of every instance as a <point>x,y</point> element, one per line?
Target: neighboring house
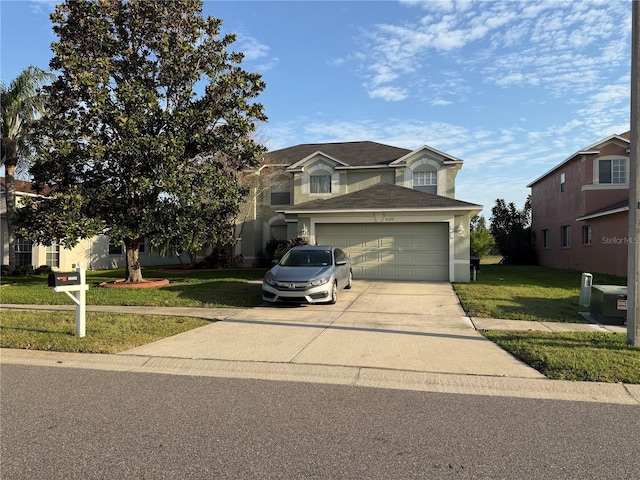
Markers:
<point>97,253</point>
<point>580,209</point>
<point>391,209</point>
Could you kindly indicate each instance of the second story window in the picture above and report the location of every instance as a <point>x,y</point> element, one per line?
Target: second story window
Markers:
<point>425,181</point>
<point>562,182</point>
<point>281,192</point>
<point>320,184</point>
<point>612,171</point>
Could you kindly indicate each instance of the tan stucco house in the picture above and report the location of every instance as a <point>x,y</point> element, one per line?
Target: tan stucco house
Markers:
<point>391,209</point>
<point>97,253</point>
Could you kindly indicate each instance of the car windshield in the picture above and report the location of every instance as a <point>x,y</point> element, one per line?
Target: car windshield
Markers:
<point>307,258</point>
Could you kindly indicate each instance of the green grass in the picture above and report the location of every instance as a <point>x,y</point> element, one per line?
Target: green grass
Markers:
<point>579,356</point>
<point>187,288</point>
<point>526,293</point>
<point>105,332</point>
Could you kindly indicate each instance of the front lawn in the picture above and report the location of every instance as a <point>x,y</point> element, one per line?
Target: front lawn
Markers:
<point>581,356</point>
<point>106,332</point>
<point>187,288</point>
<point>526,293</point>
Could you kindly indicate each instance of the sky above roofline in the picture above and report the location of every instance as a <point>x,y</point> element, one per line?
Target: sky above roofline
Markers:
<point>510,87</point>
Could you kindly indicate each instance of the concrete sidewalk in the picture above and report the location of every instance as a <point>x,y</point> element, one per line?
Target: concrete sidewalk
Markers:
<point>379,334</point>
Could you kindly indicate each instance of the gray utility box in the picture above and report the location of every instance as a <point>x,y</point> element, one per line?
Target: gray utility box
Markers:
<point>609,303</point>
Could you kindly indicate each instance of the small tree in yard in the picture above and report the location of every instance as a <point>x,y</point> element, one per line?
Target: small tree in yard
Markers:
<point>480,238</point>
<point>511,230</point>
<point>148,124</point>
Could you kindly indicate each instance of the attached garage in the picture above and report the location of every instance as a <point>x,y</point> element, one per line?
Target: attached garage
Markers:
<point>392,232</point>
<point>392,251</point>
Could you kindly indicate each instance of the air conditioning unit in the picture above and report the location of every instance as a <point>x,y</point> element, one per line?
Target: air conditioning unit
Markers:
<point>609,303</point>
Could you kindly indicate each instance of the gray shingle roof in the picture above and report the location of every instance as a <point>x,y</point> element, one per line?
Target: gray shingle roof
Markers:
<point>354,154</point>
<point>384,196</point>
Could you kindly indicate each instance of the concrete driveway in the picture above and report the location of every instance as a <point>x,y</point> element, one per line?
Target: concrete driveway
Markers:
<point>409,326</point>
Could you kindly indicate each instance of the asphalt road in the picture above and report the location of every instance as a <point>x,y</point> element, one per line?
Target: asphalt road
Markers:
<point>64,423</point>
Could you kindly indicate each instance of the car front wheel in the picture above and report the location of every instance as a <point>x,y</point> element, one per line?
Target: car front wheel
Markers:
<point>334,293</point>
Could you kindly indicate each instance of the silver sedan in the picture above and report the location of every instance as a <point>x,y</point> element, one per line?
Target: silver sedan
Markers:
<point>311,274</point>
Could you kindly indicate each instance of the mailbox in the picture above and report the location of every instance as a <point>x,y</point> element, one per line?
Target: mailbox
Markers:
<point>61,279</point>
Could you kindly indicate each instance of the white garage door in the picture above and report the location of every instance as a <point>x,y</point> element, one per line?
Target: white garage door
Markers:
<point>392,251</point>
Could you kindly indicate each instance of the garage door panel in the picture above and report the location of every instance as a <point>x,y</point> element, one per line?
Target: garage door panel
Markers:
<point>417,251</point>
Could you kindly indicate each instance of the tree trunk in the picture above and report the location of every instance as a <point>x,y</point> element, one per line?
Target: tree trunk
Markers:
<point>11,161</point>
<point>134,272</point>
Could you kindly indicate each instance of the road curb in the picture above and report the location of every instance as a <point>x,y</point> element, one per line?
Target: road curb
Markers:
<point>528,388</point>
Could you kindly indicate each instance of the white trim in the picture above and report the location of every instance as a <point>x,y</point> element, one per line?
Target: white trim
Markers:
<point>602,214</point>
<point>470,208</point>
<point>300,163</point>
<point>605,186</point>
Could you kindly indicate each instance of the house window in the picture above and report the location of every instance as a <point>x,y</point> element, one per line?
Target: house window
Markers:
<point>281,192</point>
<point>612,171</point>
<point>23,249</point>
<point>545,238</point>
<point>320,183</point>
<point>565,235</point>
<point>562,181</point>
<point>426,181</point>
<point>142,246</point>
<point>586,235</point>
<point>115,249</point>
<point>53,255</point>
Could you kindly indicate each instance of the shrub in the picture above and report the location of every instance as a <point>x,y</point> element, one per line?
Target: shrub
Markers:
<point>42,270</point>
<point>282,249</point>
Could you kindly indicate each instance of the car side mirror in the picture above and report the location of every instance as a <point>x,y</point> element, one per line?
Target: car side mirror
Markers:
<point>341,262</point>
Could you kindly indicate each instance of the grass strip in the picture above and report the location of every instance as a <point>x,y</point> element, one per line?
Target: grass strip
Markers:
<point>105,332</point>
<point>526,293</point>
<point>579,356</point>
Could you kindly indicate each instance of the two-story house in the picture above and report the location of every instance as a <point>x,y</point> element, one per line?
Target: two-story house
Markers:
<point>580,209</point>
<point>391,209</point>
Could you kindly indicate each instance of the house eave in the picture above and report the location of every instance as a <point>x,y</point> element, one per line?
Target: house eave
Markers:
<point>470,208</point>
<point>602,214</point>
<point>447,159</point>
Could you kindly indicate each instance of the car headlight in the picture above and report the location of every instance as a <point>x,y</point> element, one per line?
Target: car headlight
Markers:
<point>269,280</point>
<point>320,281</point>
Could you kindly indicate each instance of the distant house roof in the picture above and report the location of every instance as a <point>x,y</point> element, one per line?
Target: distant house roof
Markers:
<point>382,197</point>
<point>21,186</point>
<point>351,153</point>
<point>590,150</point>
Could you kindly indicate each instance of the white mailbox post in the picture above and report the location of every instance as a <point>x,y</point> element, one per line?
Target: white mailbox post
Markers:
<point>68,282</point>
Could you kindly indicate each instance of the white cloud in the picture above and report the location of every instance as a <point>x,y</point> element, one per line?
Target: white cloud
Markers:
<point>560,47</point>
<point>251,47</point>
<point>390,94</point>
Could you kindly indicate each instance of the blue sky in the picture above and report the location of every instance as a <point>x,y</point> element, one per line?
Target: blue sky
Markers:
<point>510,87</point>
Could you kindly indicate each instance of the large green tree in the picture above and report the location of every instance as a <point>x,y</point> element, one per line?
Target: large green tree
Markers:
<point>511,230</point>
<point>481,241</point>
<point>21,103</point>
<point>148,125</point>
